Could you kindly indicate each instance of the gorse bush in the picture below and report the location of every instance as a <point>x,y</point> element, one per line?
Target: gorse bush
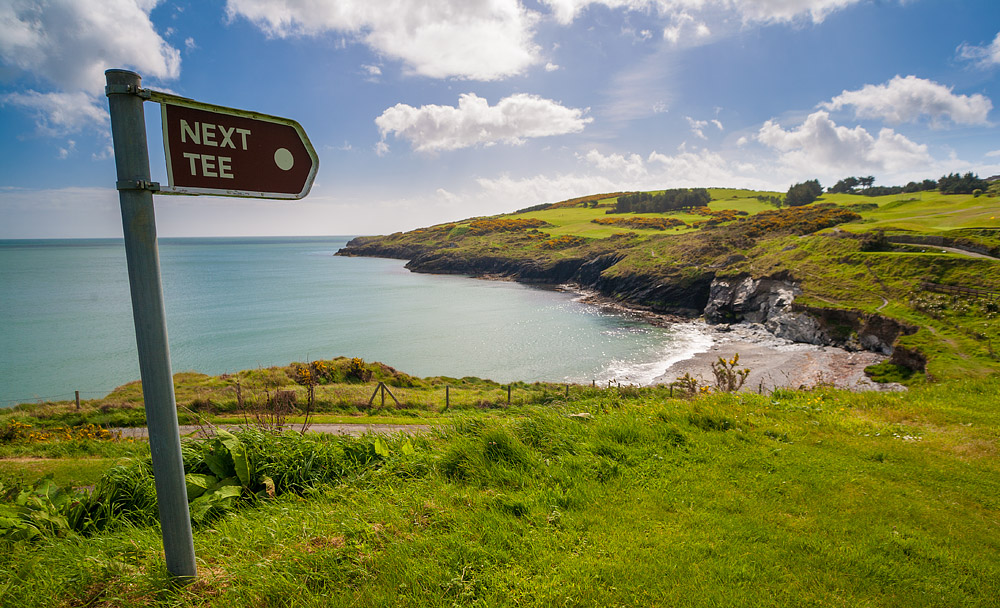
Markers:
<point>562,242</point>
<point>654,223</point>
<point>479,227</point>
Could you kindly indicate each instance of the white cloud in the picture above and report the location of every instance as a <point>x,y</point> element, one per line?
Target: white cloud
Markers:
<point>697,127</point>
<point>372,72</point>
<point>474,122</point>
<point>57,114</point>
<point>985,56</point>
<point>565,11</point>
<point>480,40</point>
<point>551,67</point>
<point>993,153</point>
<point>71,42</point>
<point>70,148</point>
<point>786,10</point>
<point>631,166</point>
<point>544,188</point>
<point>820,146</point>
<point>629,171</point>
<point>190,44</point>
<point>909,99</point>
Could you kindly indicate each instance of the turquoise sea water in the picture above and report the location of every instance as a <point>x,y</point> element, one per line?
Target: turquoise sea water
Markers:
<point>238,303</point>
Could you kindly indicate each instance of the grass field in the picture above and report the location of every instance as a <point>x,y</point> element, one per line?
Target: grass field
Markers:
<point>796,498</point>
<point>920,211</point>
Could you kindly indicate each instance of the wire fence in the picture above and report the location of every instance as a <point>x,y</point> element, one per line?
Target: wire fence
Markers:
<point>53,398</point>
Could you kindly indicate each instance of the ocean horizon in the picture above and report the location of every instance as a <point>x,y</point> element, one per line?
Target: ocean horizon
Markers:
<point>237,303</point>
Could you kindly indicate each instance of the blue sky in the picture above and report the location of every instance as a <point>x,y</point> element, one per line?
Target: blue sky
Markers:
<point>430,111</point>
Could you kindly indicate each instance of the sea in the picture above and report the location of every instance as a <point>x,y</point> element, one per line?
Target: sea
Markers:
<point>242,303</point>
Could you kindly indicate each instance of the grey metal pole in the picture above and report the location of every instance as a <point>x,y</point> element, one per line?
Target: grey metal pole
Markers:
<point>128,131</point>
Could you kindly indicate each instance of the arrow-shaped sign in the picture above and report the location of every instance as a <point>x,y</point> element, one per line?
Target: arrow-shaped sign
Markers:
<point>223,151</point>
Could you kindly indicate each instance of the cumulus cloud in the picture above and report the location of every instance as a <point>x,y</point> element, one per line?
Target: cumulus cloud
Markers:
<point>71,42</point>
<point>820,146</point>
<point>492,39</point>
<point>909,99</point>
<point>479,40</point>
<point>57,114</point>
<point>985,56</point>
<point>474,122</point>
<point>631,165</point>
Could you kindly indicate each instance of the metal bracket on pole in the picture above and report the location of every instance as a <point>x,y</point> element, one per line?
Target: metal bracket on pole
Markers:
<point>127,89</point>
<point>137,184</point>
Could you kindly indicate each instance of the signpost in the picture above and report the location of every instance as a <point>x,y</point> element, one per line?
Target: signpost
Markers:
<point>216,150</point>
<point>209,150</point>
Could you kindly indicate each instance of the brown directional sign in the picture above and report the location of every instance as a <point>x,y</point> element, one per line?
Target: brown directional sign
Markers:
<point>228,152</point>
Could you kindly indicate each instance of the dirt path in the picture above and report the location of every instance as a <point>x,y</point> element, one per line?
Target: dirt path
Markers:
<point>354,430</point>
<point>971,254</point>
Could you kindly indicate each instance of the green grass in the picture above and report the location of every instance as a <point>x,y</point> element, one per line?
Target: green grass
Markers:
<point>821,498</point>
<point>71,472</point>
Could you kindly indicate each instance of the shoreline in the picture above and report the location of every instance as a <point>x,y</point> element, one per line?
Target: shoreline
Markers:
<point>773,362</point>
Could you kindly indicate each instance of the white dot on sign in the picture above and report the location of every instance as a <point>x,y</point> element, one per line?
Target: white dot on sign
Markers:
<point>284,159</point>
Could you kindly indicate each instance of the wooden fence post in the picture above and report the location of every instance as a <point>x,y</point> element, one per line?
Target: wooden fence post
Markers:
<point>77,400</point>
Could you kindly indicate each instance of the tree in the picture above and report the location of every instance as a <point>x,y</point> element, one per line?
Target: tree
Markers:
<point>804,193</point>
<point>844,186</point>
<point>953,183</point>
<point>866,182</point>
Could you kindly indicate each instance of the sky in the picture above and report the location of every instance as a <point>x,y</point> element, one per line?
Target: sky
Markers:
<point>430,111</point>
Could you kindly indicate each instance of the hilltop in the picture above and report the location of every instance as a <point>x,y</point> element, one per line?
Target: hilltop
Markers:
<point>862,272</point>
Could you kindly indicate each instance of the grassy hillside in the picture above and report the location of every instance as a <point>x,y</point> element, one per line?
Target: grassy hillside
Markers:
<point>841,250</point>
<point>618,497</point>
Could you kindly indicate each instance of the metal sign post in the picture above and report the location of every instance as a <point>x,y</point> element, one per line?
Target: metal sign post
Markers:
<point>209,150</point>
<point>128,132</point>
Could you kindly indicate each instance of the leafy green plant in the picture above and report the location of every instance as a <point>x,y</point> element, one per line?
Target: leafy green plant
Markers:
<point>28,513</point>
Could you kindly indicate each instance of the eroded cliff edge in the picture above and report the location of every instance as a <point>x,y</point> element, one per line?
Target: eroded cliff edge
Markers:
<point>716,289</point>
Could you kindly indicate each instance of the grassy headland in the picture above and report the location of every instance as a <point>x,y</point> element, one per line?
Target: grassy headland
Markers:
<point>869,256</point>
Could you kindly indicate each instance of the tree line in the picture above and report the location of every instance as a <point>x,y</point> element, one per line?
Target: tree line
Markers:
<point>954,183</point>
<point>668,200</point>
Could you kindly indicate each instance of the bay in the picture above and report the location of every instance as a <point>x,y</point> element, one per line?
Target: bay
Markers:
<point>239,303</point>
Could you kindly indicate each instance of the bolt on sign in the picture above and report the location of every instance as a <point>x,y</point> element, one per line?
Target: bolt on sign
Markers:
<point>228,152</point>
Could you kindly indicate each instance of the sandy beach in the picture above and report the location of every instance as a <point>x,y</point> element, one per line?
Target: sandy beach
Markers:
<point>774,362</point>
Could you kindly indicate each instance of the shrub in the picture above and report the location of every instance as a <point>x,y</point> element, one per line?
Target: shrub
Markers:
<point>480,227</point>
<point>653,223</point>
<point>562,242</point>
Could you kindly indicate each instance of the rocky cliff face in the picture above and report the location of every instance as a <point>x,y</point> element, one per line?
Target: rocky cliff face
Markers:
<point>770,301</point>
